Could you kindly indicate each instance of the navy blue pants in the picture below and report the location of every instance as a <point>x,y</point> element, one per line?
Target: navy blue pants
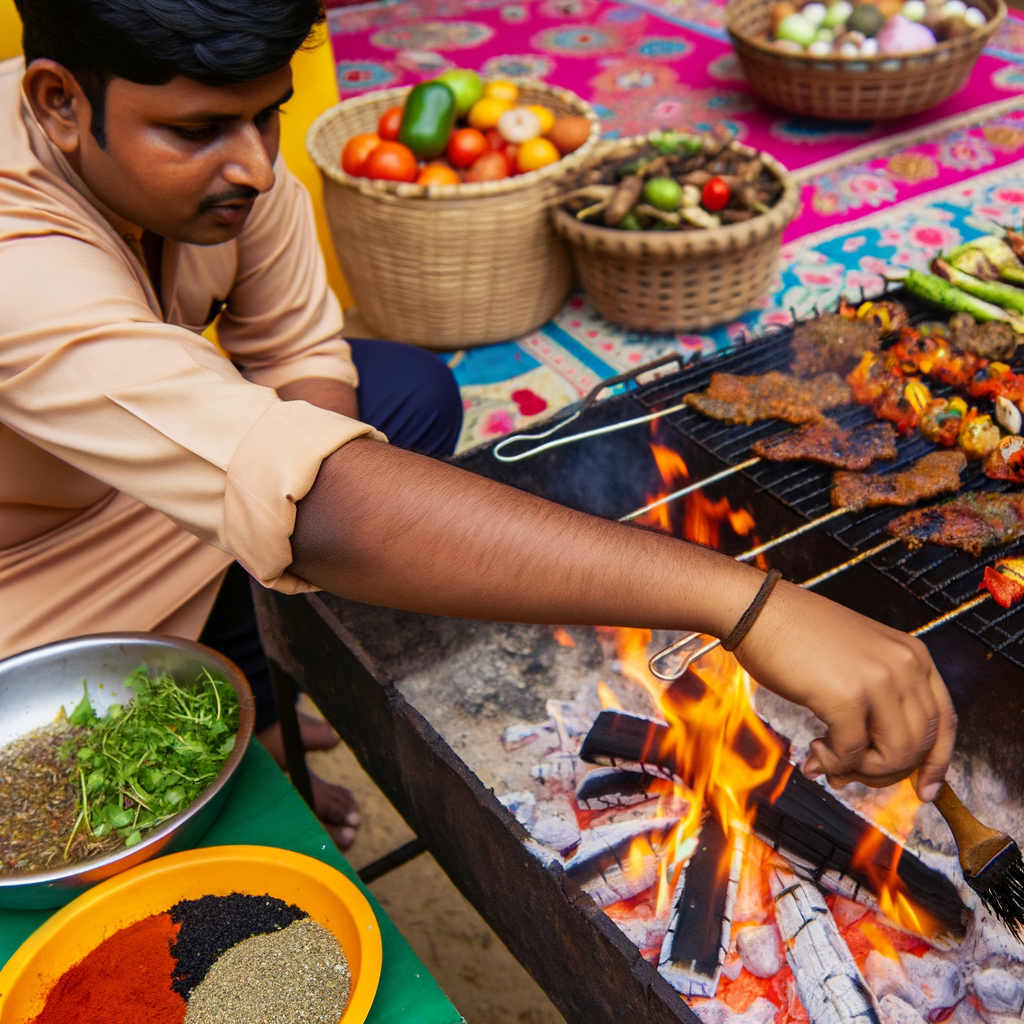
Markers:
<point>412,397</point>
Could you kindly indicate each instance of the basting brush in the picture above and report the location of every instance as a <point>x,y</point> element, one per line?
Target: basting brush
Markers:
<point>991,861</point>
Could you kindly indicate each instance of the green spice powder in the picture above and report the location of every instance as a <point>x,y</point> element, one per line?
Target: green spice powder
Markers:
<point>298,975</point>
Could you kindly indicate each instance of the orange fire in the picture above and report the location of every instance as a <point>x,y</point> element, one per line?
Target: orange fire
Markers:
<point>702,518</point>
<point>607,696</point>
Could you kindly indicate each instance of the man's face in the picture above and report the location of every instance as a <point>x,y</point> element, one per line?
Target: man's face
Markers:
<point>186,160</point>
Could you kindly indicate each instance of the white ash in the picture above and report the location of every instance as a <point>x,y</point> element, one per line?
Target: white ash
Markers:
<point>760,1011</point>
<point>965,1013</point>
<point>898,1011</point>
<point>936,978</point>
<point>760,949</point>
<point>999,991</point>
<point>520,804</point>
<point>886,976</point>
<point>553,823</point>
<point>712,1011</point>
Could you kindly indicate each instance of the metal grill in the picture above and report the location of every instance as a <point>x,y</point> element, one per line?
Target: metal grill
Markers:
<point>941,577</point>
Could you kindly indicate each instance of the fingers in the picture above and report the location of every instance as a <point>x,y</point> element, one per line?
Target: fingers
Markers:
<point>933,769</point>
<point>844,745</point>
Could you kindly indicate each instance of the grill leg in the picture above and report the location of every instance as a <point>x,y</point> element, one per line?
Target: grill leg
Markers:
<point>285,695</point>
<point>392,860</point>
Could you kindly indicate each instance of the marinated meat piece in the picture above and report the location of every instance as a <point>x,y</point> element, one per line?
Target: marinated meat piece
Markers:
<point>770,396</point>
<point>934,473</point>
<point>1007,461</point>
<point>831,446</point>
<point>971,522</point>
<point>993,340</point>
<point>833,342</point>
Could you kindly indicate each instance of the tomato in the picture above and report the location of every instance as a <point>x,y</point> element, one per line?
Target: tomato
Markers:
<point>357,152</point>
<point>490,167</point>
<point>511,155</point>
<point>716,195</point>
<point>389,123</point>
<point>465,146</point>
<point>535,153</point>
<point>393,162</point>
<point>495,139</point>
<point>438,174</point>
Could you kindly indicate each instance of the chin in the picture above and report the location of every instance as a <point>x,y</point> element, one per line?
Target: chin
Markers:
<point>203,231</point>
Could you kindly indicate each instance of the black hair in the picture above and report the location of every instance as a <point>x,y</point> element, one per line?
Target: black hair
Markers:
<point>216,42</point>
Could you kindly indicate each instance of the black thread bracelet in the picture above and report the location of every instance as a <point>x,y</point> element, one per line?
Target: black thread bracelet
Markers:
<point>747,619</point>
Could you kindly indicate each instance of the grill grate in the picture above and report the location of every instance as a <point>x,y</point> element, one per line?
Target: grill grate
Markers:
<point>943,578</point>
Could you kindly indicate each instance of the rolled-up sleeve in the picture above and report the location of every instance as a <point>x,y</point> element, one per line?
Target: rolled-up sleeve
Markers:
<point>90,375</point>
<point>282,321</point>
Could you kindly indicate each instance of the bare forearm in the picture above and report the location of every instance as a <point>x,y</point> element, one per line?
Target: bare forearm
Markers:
<point>332,395</point>
<point>388,527</point>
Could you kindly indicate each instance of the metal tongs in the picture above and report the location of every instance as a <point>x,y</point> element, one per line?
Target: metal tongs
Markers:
<point>591,399</point>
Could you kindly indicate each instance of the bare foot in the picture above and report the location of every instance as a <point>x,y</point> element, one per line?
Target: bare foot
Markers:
<point>316,735</point>
<point>337,810</point>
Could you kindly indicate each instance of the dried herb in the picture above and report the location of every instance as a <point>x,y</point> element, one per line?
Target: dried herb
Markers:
<point>143,762</point>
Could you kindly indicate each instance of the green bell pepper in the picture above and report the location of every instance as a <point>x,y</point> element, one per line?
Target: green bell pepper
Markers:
<point>428,118</point>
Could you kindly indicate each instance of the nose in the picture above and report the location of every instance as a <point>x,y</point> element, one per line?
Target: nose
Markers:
<point>249,163</point>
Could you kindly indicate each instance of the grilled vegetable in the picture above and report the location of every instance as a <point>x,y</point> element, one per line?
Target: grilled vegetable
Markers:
<point>1001,294</point>
<point>428,118</point>
<point>943,293</point>
<point>997,252</point>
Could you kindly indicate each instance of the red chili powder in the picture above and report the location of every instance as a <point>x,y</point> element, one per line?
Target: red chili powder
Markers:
<point>126,979</point>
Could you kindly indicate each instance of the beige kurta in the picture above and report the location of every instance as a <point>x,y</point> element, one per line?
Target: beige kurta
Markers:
<point>136,461</point>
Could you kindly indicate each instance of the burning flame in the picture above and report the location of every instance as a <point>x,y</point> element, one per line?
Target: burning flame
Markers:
<point>702,518</point>
<point>607,696</point>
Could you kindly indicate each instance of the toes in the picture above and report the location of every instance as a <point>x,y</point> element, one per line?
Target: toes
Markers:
<point>317,734</point>
<point>342,835</point>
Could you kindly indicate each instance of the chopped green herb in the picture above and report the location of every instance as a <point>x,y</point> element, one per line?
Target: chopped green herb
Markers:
<point>145,761</point>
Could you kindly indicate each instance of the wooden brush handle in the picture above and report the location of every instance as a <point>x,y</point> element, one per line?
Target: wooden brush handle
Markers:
<point>977,843</point>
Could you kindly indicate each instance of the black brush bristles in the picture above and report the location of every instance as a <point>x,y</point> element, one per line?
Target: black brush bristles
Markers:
<point>1000,886</point>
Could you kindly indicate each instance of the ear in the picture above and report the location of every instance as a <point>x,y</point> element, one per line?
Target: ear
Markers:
<point>59,104</point>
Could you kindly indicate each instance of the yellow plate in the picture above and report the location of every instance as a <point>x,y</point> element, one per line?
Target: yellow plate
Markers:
<point>154,887</point>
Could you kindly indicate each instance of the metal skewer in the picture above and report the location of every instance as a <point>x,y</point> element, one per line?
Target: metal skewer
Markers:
<point>714,478</point>
<point>689,649</point>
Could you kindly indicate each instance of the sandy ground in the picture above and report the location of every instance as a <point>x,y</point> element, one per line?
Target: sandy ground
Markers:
<point>476,971</point>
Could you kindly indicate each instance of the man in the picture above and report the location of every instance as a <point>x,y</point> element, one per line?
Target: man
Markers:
<point>141,192</point>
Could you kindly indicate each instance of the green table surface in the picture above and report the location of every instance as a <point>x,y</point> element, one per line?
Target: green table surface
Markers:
<point>264,809</point>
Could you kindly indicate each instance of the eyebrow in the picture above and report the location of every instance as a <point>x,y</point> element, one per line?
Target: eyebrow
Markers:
<point>210,116</point>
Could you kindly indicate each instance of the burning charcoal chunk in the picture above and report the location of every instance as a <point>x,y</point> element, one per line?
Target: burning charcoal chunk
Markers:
<point>846,912</point>
<point>885,977</point>
<point>935,978</point>
<point>897,1011</point>
<point>516,736</point>
<point>606,788</point>
<point>520,805</point>
<point>966,1013</point>
<point>602,865</point>
<point>557,832</point>
<point>712,1011</point>
<point>760,1011</point>
<point>698,931</point>
<point>830,984</point>
<point>760,949</point>
<point>999,991</point>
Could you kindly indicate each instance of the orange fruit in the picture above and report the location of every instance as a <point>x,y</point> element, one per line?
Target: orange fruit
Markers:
<point>502,90</point>
<point>536,153</point>
<point>438,174</point>
<point>485,112</point>
<point>545,116</point>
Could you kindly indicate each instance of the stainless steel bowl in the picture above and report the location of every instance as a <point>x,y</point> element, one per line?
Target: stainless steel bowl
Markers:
<point>34,685</point>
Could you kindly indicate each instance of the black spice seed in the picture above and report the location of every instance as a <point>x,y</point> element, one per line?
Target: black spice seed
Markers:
<point>213,924</point>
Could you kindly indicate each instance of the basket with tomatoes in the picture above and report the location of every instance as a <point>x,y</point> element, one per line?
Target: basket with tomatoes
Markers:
<point>438,197</point>
<point>672,232</point>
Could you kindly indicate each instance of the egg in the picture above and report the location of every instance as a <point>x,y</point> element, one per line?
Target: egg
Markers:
<point>819,48</point>
<point>797,29</point>
<point>569,133</point>
<point>869,48</point>
<point>953,8</point>
<point>837,14</point>
<point>975,17</point>
<point>914,10</point>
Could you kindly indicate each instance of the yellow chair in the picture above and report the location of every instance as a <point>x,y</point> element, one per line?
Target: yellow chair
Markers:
<point>316,89</point>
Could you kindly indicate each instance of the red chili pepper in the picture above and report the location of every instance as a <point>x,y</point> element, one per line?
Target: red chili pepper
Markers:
<point>716,195</point>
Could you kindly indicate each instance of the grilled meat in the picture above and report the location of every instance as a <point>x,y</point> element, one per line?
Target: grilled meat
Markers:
<point>971,522</point>
<point>833,342</point>
<point>993,340</point>
<point>934,473</point>
<point>828,445</point>
<point>770,396</point>
<point>1006,462</point>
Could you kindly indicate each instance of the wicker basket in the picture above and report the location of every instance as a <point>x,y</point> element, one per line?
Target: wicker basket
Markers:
<point>661,281</point>
<point>447,266</point>
<point>855,88</point>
